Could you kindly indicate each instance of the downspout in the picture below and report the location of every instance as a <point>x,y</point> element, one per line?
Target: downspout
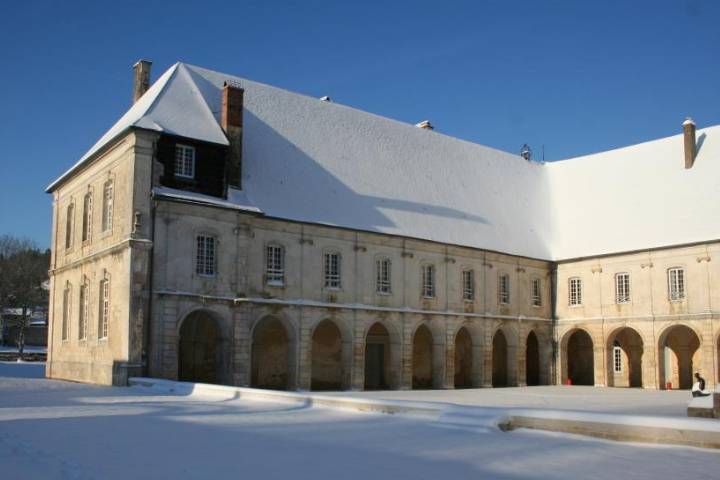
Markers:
<point>147,329</point>
<point>554,318</point>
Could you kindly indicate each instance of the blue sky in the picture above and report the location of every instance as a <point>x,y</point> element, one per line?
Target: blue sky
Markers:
<point>575,76</point>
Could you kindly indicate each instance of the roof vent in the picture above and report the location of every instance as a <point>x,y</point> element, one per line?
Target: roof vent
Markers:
<point>689,141</point>
<point>526,152</point>
<point>425,125</point>
<point>326,99</point>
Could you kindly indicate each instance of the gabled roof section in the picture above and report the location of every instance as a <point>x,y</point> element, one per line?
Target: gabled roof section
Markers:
<point>173,105</point>
<point>320,162</point>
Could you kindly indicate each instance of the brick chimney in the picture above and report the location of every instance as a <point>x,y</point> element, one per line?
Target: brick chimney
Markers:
<point>689,140</point>
<point>141,78</point>
<point>231,122</point>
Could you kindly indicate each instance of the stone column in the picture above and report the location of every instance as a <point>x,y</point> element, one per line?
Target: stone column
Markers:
<point>521,359</point>
<point>406,356</point>
<point>304,357</point>
<point>649,367</point>
<point>243,342</point>
<point>599,367</point>
<point>487,356</point>
<point>358,357</point>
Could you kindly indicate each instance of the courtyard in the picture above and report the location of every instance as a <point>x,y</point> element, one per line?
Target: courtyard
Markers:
<point>57,430</point>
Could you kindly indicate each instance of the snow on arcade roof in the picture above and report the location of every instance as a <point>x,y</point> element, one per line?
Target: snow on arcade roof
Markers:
<point>316,161</point>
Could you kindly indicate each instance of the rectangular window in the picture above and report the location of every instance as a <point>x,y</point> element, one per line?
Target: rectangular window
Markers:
<point>575,292</point>
<point>184,161</point>
<point>537,292</point>
<point>617,359</point>
<point>87,217</point>
<point>332,270</point>
<point>274,265</point>
<point>67,299</point>
<point>504,289</point>
<point>382,283</point>
<point>104,310</point>
<point>428,281</point>
<point>84,310</point>
<point>107,211</point>
<point>468,277</point>
<point>205,256</point>
<point>70,212</point>
<point>622,288</point>
<point>676,283</point>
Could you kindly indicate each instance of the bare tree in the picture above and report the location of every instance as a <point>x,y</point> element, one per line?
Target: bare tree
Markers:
<point>23,280</point>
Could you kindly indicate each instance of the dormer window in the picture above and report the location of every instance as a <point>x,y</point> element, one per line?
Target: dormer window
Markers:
<point>184,161</point>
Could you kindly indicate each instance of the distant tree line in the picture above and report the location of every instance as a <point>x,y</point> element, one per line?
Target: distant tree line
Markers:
<point>23,281</point>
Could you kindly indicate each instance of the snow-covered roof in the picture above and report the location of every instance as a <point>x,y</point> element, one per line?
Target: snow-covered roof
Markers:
<point>309,160</point>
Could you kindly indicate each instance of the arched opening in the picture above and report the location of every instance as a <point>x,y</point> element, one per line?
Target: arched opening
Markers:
<point>625,351</point>
<point>326,370</point>
<point>377,358</point>
<point>500,360</point>
<point>463,359</point>
<point>198,350</point>
<point>422,358</point>
<point>679,357</point>
<point>532,360</point>
<point>270,355</point>
<point>580,359</point>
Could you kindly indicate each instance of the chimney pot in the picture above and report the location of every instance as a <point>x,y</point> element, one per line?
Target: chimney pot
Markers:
<point>689,141</point>
<point>141,78</point>
<point>425,125</point>
<point>231,121</point>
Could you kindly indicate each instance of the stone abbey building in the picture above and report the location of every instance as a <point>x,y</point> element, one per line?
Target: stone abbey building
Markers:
<point>230,232</point>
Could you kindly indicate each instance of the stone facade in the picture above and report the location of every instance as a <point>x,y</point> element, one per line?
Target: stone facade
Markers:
<point>240,300</point>
<point>302,334</point>
<point>118,252</point>
<point>664,341</point>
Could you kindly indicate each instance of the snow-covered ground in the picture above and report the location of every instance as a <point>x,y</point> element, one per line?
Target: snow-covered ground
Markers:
<point>54,430</point>
<point>587,399</point>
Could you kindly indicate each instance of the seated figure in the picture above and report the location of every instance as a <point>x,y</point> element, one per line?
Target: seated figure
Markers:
<point>698,388</point>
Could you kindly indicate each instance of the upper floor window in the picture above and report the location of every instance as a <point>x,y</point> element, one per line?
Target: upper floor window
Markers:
<point>617,357</point>
<point>504,289</point>
<point>69,222</point>
<point>104,307</point>
<point>87,217</point>
<point>275,265</point>
<point>205,255</point>
<point>107,207</point>
<point>536,292</point>
<point>184,161</point>
<point>382,278</point>
<point>84,310</point>
<point>468,279</point>
<point>622,287</point>
<point>332,270</point>
<point>428,281</point>
<point>676,283</point>
<point>575,292</point>
<point>67,302</point>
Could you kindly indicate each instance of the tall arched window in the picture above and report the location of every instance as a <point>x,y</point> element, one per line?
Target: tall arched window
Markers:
<point>87,217</point>
<point>428,281</point>
<point>107,208</point>
<point>104,307</point>
<point>575,292</point>
<point>67,303</point>
<point>274,265</point>
<point>504,289</point>
<point>84,310</point>
<point>383,270</point>
<point>69,222</point>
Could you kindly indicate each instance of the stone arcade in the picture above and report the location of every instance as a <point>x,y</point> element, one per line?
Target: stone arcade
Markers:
<point>225,231</point>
